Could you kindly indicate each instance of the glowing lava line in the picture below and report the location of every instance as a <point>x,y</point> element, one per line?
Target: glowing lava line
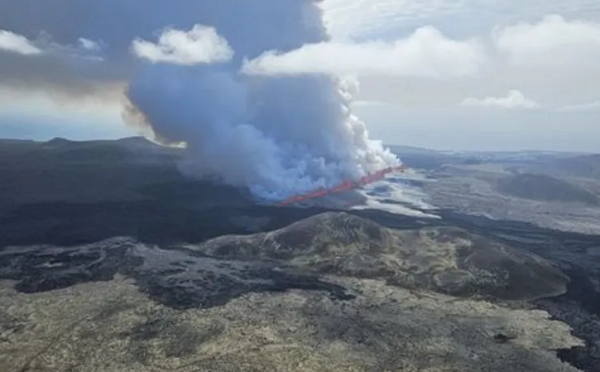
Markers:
<point>344,186</point>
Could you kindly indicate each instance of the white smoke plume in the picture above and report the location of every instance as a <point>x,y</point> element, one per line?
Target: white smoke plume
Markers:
<point>182,65</point>
<point>276,135</point>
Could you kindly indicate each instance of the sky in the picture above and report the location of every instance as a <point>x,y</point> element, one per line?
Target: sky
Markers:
<point>452,75</point>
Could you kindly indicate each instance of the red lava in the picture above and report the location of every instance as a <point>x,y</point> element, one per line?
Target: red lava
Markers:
<point>344,186</point>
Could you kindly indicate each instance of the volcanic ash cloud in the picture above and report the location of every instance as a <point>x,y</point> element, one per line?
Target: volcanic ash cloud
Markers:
<point>276,135</point>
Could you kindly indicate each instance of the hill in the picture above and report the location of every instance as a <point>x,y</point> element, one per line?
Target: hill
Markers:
<point>86,171</point>
<point>587,166</point>
<point>402,149</point>
<point>545,188</point>
<point>447,260</point>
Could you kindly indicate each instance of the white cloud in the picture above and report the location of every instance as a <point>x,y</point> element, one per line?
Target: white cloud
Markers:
<point>582,107</point>
<point>84,50</point>
<point>514,100</point>
<point>369,103</point>
<point>11,42</point>
<point>19,44</point>
<point>88,44</point>
<point>199,45</point>
<point>425,53</point>
<point>380,18</point>
<point>553,40</point>
<point>352,18</point>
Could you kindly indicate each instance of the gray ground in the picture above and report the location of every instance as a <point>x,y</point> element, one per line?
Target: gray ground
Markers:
<point>111,326</point>
<point>447,260</point>
<point>474,189</point>
<point>333,292</point>
<point>110,260</point>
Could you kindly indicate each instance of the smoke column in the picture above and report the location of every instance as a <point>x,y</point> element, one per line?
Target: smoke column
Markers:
<point>275,135</point>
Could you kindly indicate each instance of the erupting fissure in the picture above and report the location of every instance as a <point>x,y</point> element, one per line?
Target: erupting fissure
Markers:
<point>343,186</point>
<point>274,135</point>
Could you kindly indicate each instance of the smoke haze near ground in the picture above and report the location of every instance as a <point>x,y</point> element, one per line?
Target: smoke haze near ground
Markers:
<point>276,135</point>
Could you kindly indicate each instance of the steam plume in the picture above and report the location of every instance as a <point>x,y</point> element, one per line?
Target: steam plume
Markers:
<point>276,135</point>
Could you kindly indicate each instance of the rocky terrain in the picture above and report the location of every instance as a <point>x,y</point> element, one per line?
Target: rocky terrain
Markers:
<point>545,188</point>
<point>111,260</point>
<point>582,166</point>
<point>497,192</point>
<point>257,302</point>
<point>111,326</point>
<point>443,259</point>
<point>550,189</point>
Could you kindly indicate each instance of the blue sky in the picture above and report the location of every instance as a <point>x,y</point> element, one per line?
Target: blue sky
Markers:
<point>453,129</point>
<point>552,62</point>
<point>45,126</point>
<point>429,113</point>
<point>38,118</point>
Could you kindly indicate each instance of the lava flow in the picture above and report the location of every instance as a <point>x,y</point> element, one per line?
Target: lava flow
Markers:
<point>343,186</point>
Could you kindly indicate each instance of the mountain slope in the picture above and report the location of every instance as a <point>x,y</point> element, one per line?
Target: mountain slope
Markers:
<point>444,259</point>
<point>545,188</point>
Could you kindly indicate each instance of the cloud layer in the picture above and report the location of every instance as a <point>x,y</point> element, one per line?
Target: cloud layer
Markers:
<point>19,44</point>
<point>67,57</point>
<point>359,19</point>
<point>425,53</point>
<point>199,45</point>
<point>582,107</point>
<point>87,48</point>
<point>514,100</point>
<point>551,40</point>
